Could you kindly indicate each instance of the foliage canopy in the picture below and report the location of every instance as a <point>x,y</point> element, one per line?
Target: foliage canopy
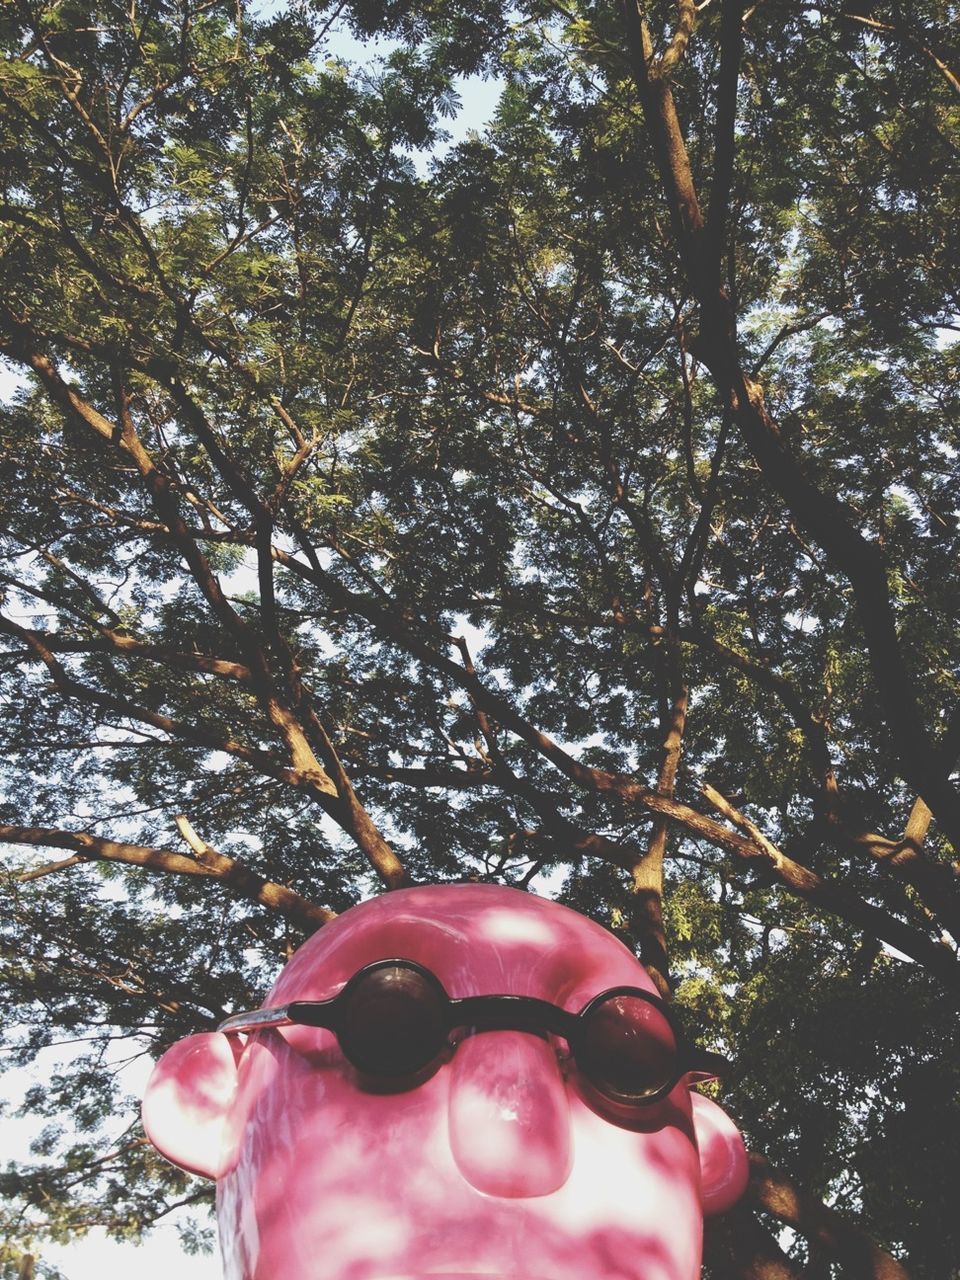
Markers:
<point>573,507</point>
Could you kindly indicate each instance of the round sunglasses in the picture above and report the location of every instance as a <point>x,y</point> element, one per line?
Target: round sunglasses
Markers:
<point>394,1022</point>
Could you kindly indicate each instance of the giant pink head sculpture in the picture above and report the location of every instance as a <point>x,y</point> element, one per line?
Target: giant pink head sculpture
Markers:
<point>505,1156</point>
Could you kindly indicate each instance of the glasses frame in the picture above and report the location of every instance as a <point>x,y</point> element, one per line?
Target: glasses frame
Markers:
<point>491,1013</point>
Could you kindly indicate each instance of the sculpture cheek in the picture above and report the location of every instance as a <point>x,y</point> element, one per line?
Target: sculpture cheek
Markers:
<point>509,1119</point>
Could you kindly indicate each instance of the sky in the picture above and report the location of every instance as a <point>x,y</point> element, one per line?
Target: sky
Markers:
<point>160,1256</point>
<point>95,1257</point>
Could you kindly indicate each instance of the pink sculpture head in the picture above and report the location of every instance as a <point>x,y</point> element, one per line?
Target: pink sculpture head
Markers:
<point>500,1159</point>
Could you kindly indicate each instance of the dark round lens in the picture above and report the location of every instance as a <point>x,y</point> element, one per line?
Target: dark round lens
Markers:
<point>627,1049</point>
<point>393,1023</point>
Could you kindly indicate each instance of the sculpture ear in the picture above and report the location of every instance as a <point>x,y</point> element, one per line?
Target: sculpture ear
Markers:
<point>723,1160</point>
<point>186,1101</point>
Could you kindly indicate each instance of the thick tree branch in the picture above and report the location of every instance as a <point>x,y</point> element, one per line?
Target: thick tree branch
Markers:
<point>736,1246</point>
<point>724,146</point>
<point>647,872</point>
<point>118,642</point>
<point>302,723</point>
<point>838,899</point>
<point>212,866</point>
<point>836,1235</point>
<point>199,736</point>
<point>820,513</point>
<point>22,346</point>
<point>399,626</point>
<point>666,137</point>
<point>936,882</point>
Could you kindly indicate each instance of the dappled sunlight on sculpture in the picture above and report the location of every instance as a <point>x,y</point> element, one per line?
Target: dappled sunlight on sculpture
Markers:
<point>508,1154</point>
<point>509,1121</point>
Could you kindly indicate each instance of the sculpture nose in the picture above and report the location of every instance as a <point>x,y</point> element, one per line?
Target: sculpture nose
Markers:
<point>509,1119</point>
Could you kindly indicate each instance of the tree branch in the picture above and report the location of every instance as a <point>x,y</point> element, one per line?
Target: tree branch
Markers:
<point>358,823</point>
<point>258,759</point>
<point>876,25</point>
<point>724,146</point>
<point>822,514</point>
<point>738,1247</point>
<point>839,1238</point>
<point>397,625</point>
<point>213,866</point>
<point>841,901</point>
<point>109,641</point>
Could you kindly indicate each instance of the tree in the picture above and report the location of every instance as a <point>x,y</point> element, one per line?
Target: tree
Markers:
<point>579,500</point>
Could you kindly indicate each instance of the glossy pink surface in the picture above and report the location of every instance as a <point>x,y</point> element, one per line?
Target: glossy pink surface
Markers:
<point>497,1165</point>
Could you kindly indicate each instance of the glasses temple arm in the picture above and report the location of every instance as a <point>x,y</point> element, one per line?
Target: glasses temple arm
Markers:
<point>715,1065</point>
<point>258,1020</point>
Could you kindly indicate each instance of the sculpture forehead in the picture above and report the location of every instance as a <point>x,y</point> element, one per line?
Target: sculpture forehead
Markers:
<point>476,938</point>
